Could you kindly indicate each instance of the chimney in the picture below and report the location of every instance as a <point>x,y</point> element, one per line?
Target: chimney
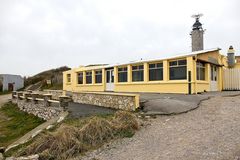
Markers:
<point>231,57</point>
<point>197,34</point>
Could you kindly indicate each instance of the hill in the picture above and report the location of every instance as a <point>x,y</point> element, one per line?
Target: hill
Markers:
<point>50,79</point>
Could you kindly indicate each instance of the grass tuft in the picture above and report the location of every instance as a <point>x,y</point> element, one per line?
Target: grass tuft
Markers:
<point>78,136</point>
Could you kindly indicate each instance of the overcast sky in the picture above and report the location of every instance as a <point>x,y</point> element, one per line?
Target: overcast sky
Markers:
<point>37,35</point>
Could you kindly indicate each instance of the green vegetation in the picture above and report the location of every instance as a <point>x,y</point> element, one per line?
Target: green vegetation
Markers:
<point>15,123</point>
<point>5,92</point>
<point>74,137</point>
<point>52,74</point>
<point>53,86</point>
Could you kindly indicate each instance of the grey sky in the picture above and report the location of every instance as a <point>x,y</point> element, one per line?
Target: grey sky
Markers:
<point>36,35</point>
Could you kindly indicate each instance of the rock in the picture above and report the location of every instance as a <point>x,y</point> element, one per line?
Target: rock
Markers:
<point>1,156</point>
<point>2,149</point>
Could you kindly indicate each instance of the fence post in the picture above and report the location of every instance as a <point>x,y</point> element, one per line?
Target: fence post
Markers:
<point>47,97</point>
<point>34,97</point>
<point>64,102</point>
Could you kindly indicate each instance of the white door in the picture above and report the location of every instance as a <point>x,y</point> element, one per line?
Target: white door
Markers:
<point>214,78</point>
<point>109,80</point>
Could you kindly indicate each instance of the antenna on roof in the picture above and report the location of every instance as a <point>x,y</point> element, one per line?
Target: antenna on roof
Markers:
<point>197,16</point>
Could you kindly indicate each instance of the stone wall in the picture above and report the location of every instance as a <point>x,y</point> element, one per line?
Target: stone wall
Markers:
<point>45,107</point>
<point>55,93</point>
<point>121,101</point>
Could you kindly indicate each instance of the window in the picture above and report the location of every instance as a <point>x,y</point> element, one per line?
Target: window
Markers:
<point>80,78</point>
<point>178,70</point>
<point>200,71</point>
<point>68,77</point>
<point>137,73</point>
<point>122,74</point>
<point>88,77</point>
<point>98,76</point>
<point>155,71</point>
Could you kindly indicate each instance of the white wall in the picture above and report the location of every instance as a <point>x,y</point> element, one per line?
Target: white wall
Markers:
<point>16,79</point>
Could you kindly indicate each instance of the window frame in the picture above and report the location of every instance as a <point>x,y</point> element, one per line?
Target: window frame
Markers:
<point>138,69</point>
<point>198,70</point>
<point>88,76</point>
<point>177,65</point>
<point>123,71</point>
<point>155,68</point>
<point>79,76</point>
<point>69,78</point>
<point>98,73</point>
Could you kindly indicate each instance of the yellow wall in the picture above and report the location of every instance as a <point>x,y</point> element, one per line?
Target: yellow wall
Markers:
<point>163,86</point>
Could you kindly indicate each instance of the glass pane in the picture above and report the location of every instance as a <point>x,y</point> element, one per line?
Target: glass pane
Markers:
<point>151,65</point>
<point>140,67</point>
<point>112,76</point>
<point>137,76</point>
<point>155,74</point>
<point>173,63</point>
<point>122,77</point>
<point>178,73</point>
<point>202,73</point>
<point>98,78</point>
<point>160,65</point>
<point>182,62</point>
<point>134,67</point>
<point>108,76</point>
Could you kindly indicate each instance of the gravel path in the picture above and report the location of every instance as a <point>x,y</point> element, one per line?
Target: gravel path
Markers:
<point>4,98</point>
<point>210,132</point>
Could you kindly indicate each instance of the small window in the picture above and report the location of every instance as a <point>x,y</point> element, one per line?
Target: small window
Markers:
<point>137,73</point>
<point>98,76</point>
<point>88,77</point>
<point>155,71</point>
<point>69,78</point>
<point>200,71</point>
<point>80,78</point>
<point>178,70</point>
<point>122,74</point>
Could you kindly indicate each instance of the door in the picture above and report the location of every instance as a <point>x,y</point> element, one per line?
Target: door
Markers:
<point>109,80</point>
<point>214,78</point>
<point>10,86</point>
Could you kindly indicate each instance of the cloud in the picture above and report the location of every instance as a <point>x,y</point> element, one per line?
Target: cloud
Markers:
<point>39,35</point>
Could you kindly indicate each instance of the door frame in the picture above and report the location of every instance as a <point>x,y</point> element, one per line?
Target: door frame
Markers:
<point>109,80</point>
<point>213,77</point>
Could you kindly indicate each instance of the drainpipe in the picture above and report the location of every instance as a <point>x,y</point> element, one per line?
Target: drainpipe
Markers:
<point>195,82</point>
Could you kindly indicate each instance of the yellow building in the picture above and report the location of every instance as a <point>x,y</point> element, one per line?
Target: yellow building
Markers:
<point>191,73</point>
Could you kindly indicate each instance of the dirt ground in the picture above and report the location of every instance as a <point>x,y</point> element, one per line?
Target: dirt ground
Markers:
<point>208,132</point>
<point>4,99</point>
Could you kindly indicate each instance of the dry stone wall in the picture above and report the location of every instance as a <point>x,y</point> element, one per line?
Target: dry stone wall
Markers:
<point>45,107</point>
<point>38,109</point>
<point>127,102</point>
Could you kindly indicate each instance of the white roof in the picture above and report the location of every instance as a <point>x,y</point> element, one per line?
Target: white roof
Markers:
<point>163,58</point>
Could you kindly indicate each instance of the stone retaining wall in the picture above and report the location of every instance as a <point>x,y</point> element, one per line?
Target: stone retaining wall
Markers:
<point>38,109</point>
<point>121,101</point>
<point>55,93</point>
<point>45,107</point>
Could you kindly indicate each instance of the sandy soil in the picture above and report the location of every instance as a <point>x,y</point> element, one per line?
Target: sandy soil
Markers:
<point>212,131</point>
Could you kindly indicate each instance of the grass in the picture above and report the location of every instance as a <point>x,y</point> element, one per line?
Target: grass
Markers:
<point>74,137</point>
<point>53,87</point>
<point>5,92</point>
<point>15,123</point>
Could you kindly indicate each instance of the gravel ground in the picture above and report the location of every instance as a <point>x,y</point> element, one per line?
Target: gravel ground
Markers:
<point>212,131</point>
